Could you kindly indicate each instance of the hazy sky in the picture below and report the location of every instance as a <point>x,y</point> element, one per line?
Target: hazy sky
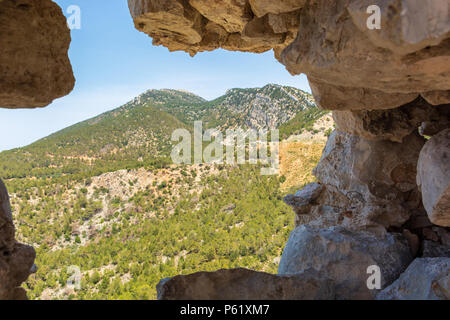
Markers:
<point>113,63</point>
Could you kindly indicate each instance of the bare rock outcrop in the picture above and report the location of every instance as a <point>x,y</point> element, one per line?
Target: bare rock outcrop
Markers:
<point>363,184</point>
<point>16,260</point>
<point>437,97</point>
<point>350,66</point>
<point>425,279</point>
<point>199,25</point>
<point>345,257</point>
<point>34,40</point>
<point>374,69</point>
<point>393,124</point>
<point>433,178</point>
<point>243,284</point>
<point>432,249</point>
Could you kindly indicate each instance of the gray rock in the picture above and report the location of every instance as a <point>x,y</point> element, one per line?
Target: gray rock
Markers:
<point>393,124</point>
<point>364,184</point>
<point>425,279</point>
<point>433,249</point>
<point>16,260</point>
<point>243,284</point>
<point>345,257</point>
<point>433,178</point>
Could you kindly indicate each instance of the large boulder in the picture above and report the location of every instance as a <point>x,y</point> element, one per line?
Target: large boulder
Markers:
<point>433,178</point>
<point>243,284</point>
<point>425,279</point>
<point>351,67</point>
<point>345,257</point>
<point>16,260</point>
<point>34,40</point>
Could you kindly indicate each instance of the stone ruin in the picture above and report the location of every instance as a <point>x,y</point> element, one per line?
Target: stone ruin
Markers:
<point>382,196</point>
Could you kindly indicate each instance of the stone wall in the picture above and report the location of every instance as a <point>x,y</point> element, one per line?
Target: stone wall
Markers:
<point>382,196</point>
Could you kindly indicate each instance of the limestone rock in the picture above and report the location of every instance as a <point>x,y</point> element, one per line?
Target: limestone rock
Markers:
<point>435,250</point>
<point>302,200</point>
<point>425,279</point>
<point>16,260</point>
<point>366,185</point>
<point>232,15</point>
<point>333,97</point>
<point>168,22</point>
<point>437,97</point>
<point>406,26</point>
<point>243,284</point>
<point>34,40</point>
<point>334,49</point>
<point>345,257</point>
<point>413,241</point>
<point>350,67</point>
<point>6,223</point>
<point>15,267</point>
<point>263,7</point>
<point>392,124</point>
<point>259,29</point>
<point>433,178</point>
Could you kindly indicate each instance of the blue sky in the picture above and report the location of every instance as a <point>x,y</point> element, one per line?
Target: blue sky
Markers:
<point>113,63</point>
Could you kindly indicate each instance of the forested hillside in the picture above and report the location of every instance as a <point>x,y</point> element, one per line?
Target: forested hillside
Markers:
<point>102,195</point>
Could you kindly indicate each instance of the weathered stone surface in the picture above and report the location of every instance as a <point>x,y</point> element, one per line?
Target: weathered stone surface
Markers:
<point>433,249</point>
<point>383,84</point>
<point>333,97</point>
<point>259,29</point>
<point>436,124</point>
<point>350,66</point>
<point>168,22</point>
<point>392,124</point>
<point>243,284</point>
<point>6,223</point>
<point>232,15</point>
<point>433,178</point>
<point>16,260</point>
<point>34,40</point>
<point>303,199</point>
<point>365,185</point>
<point>199,25</point>
<point>437,97</point>
<point>263,7</point>
<point>425,279</point>
<point>413,241</point>
<point>345,256</point>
